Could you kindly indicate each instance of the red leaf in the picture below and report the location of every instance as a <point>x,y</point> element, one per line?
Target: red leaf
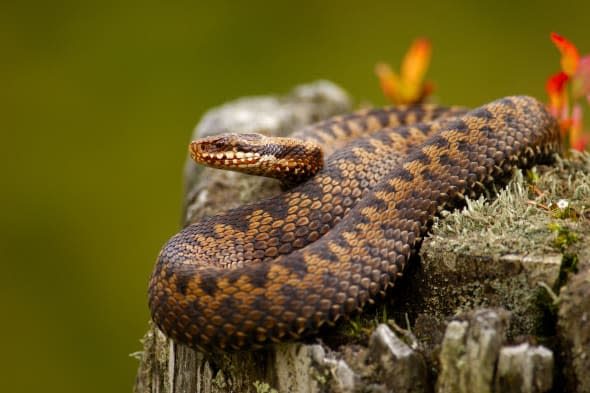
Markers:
<point>555,88</point>
<point>569,54</point>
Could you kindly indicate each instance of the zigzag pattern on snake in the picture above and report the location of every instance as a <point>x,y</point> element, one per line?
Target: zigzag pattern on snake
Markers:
<point>278,269</point>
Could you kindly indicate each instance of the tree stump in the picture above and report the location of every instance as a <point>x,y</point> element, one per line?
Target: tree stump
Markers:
<point>479,305</point>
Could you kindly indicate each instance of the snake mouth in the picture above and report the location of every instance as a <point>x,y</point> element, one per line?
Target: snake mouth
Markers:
<point>206,154</point>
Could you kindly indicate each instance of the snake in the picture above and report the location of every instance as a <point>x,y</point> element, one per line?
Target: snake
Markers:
<point>344,229</point>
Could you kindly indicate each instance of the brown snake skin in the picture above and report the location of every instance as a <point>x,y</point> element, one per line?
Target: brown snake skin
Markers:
<point>278,269</point>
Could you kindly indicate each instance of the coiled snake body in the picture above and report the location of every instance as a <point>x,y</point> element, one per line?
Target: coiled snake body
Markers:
<point>278,269</point>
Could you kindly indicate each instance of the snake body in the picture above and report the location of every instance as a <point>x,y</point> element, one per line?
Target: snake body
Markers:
<point>279,269</point>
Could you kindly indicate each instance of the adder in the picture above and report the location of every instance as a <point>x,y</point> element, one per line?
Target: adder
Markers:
<point>278,269</point>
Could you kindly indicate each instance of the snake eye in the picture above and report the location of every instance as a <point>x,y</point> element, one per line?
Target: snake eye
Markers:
<point>218,144</point>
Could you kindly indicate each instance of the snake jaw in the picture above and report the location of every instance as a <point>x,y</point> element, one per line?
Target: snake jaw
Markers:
<point>222,152</point>
<point>286,159</point>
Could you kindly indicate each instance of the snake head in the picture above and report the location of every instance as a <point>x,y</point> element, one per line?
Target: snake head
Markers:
<point>228,151</point>
<point>287,159</point>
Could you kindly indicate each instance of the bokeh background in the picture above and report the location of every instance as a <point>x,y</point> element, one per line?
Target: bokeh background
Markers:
<point>98,100</point>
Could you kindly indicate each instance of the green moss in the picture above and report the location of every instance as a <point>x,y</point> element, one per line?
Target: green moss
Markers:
<point>532,176</point>
<point>219,381</point>
<point>566,212</point>
<point>321,376</point>
<point>569,264</point>
<point>546,317</point>
<point>359,327</point>
<point>546,299</point>
<point>564,236</point>
<point>263,387</point>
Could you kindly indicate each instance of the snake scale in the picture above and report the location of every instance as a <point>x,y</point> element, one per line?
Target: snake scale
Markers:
<point>278,269</point>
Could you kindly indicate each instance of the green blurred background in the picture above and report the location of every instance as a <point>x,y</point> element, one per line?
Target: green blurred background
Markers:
<point>98,101</point>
